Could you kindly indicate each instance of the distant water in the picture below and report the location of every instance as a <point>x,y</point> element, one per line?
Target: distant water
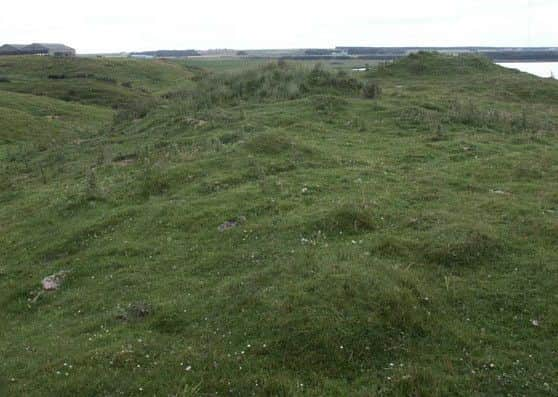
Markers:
<point>541,69</point>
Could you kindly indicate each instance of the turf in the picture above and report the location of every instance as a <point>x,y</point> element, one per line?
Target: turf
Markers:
<point>396,246</point>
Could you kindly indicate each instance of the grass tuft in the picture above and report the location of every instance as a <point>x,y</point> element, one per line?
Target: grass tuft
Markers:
<point>465,249</point>
<point>348,219</point>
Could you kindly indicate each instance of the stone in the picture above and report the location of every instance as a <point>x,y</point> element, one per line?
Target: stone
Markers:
<point>227,226</point>
<point>232,223</point>
<point>53,282</point>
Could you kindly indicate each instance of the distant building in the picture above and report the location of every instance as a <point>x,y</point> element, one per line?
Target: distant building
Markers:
<point>58,50</point>
<point>50,49</point>
<point>11,49</point>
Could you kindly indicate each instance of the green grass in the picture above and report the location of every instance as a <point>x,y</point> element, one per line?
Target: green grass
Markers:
<point>397,246</point>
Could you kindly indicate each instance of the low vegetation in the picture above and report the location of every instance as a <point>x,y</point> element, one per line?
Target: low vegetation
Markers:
<point>283,230</point>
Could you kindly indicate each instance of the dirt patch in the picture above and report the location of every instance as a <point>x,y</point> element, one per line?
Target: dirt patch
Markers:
<point>125,162</point>
<point>192,122</point>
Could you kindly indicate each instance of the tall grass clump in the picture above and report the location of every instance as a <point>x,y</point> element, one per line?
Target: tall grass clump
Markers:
<point>271,82</point>
<point>371,90</point>
<point>465,249</point>
<point>92,190</point>
<point>154,182</point>
<point>328,104</point>
<point>135,109</point>
<point>475,115</point>
<point>472,114</point>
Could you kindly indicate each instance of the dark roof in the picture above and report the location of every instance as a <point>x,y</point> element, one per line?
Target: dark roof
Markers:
<point>55,47</point>
<point>46,47</point>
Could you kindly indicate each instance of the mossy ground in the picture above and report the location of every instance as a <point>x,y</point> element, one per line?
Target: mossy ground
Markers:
<point>397,246</point>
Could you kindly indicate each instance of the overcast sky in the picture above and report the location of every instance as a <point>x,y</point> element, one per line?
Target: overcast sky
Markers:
<point>123,25</point>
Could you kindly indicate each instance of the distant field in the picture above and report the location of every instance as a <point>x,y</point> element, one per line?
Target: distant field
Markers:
<point>262,228</point>
<point>240,64</point>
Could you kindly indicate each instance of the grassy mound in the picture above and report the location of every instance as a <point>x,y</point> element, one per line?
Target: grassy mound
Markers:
<point>439,65</point>
<point>348,219</point>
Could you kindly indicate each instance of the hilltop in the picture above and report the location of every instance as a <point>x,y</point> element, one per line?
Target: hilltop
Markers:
<point>277,228</point>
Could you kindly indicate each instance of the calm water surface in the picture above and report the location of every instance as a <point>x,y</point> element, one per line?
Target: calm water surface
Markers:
<point>541,69</point>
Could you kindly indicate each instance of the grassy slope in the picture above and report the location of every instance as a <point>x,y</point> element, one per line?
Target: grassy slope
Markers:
<point>399,246</point>
<point>107,82</point>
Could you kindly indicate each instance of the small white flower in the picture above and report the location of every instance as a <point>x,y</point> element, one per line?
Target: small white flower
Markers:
<point>535,323</point>
<point>189,368</point>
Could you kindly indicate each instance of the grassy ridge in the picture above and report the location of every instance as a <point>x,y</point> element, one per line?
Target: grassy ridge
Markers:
<point>402,245</point>
<point>107,82</point>
<point>39,119</point>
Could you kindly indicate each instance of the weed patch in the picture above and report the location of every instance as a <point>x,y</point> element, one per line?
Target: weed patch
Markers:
<point>275,143</point>
<point>154,182</point>
<point>328,104</point>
